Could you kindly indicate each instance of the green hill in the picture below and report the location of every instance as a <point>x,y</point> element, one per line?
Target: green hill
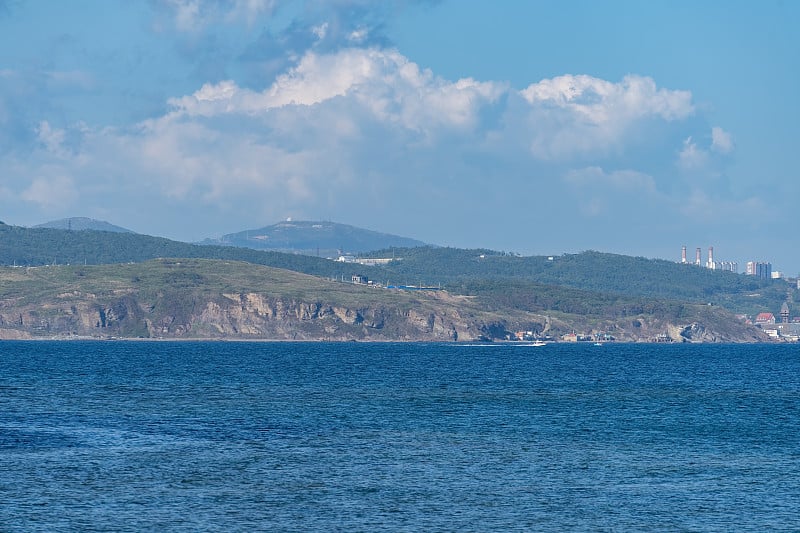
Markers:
<point>326,239</point>
<point>42,246</point>
<point>83,224</point>
<point>592,271</point>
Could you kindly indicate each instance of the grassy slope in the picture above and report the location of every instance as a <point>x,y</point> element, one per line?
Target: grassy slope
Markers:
<point>187,280</point>
<point>197,275</point>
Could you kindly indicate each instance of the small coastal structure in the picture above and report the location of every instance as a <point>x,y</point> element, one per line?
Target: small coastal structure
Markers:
<point>785,313</point>
<point>764,318</point>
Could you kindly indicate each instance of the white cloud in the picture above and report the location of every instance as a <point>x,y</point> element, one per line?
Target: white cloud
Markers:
<point>706,160</point>
<point>51,138</point>
<point>249,10</point>
<point>573,115</point>
<point>568,116</point>
<point>721,140</point>
<point>187,14</point>
<point>320,31</point>
<point>189,159</point>
<point>601,101</point>
<point>194,15</point>
<point>691,157</point>
<point>358,36</point>
<point>383,82</point>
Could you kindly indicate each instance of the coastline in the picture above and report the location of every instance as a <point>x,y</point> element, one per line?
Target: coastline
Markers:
<point>485,342</point>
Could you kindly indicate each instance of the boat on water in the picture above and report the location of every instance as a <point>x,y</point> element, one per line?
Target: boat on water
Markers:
<point>537,343</point>
<point>598,344</point>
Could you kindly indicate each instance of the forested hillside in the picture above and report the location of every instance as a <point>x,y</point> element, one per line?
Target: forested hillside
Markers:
<point>42,246</point>
<point>598,280</point>
<point>592,271</point>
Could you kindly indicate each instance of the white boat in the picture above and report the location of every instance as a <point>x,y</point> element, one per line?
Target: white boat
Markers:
<point>538,343</point>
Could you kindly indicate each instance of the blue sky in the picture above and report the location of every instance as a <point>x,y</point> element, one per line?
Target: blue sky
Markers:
<point>535,127</point>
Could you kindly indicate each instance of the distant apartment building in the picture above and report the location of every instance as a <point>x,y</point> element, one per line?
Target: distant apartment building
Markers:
<point>727,266</point>
<point>759,269</point>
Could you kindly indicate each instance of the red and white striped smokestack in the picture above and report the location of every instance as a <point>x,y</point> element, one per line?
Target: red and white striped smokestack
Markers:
<point>710,263</point>
<point>683,254</point>
<point>697,256</point>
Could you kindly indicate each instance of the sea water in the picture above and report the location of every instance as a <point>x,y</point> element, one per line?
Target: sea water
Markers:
<point>163,436</point>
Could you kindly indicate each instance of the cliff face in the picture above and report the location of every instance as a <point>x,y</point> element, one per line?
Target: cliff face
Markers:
<point>651,329</point>
<point>202,299</point>
<point>243,315</point>
<point>260,316</point>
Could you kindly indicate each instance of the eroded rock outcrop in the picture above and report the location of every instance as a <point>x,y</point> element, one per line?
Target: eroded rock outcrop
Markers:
<point>247,315</point>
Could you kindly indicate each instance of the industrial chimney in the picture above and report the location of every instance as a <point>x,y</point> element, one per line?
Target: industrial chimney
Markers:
<point>710,264</point>
<point>683,255</point>
<point>697,257</point>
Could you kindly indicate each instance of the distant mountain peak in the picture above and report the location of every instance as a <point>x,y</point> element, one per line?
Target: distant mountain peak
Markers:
<point>83,224</point>
<point>314,237</point>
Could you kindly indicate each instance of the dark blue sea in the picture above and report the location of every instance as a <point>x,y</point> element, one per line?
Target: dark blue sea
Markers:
<point>212,436</point>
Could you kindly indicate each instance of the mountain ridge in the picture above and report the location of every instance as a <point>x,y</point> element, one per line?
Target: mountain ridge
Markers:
<point>324,238</point>
<point>83,224</point>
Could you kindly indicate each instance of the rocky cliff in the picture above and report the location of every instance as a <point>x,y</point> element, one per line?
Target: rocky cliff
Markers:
<point>243,316</point>
<point>194,299</point>
<point>205,299</point>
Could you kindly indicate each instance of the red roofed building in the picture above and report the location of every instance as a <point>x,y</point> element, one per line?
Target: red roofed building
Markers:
<point>765,318</point>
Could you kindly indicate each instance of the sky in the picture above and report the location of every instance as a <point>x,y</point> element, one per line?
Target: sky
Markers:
<point>534,127</point>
